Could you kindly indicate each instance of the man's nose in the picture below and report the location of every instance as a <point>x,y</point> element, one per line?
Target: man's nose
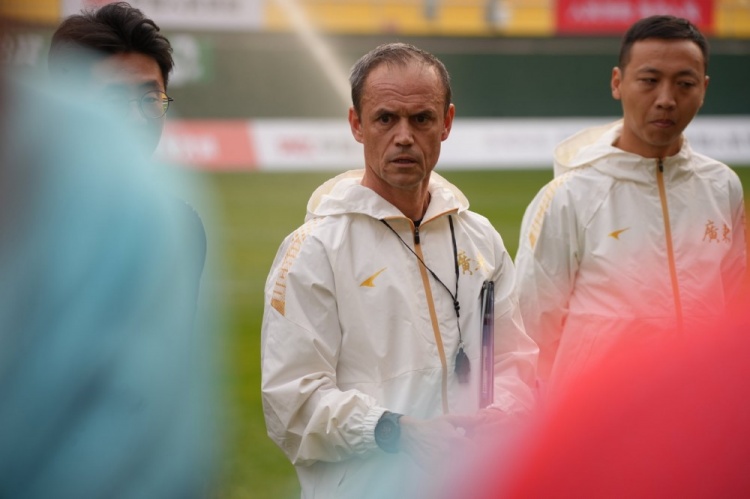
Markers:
<point>665,98</point>
<point>404,134</point>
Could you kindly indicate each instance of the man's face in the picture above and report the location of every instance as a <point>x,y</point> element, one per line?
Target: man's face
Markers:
<point>122,80</point>
<point>661,89</point>
<point>401,125</point>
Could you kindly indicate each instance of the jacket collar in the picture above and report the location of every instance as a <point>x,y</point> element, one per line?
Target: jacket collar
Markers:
<point>593,147</point>
<point>345,194</point>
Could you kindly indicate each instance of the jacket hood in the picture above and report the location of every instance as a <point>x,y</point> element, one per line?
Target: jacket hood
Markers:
<point>591,145</point>
<point>346,194</point>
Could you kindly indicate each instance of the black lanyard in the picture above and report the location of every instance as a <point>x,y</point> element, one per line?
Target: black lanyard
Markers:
<point>462,361</point>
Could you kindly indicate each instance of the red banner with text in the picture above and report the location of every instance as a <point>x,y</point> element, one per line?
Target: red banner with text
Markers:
<point>614,17</point>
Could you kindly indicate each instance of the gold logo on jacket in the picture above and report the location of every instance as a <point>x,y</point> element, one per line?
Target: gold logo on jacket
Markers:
<point>370,281</point>
<point>711,233</point>
<point>470,265</point>
<point>616,234</point>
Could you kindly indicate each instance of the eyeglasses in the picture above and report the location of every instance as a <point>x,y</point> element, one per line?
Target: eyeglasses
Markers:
<point>153,104</point>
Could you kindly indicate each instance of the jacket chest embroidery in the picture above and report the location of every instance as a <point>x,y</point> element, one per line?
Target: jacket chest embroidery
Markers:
<point>470,265</point>
<point>714,234</point>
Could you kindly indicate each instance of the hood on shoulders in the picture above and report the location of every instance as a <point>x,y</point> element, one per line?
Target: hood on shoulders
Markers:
<point>589,146</point>
<point>586,146</point>
<point>345,193</point>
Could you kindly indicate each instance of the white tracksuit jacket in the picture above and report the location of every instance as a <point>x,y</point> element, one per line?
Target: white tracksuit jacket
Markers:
<point>354,326</point>
<point>616,248</point>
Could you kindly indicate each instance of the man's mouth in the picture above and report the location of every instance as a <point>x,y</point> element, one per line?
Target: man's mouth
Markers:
<point>663,123</point>
<point>403,160</point>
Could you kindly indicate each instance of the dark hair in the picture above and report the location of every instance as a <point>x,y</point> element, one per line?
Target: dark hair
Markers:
<point>115,28</point>
<point>394,53</point>
<point>665,28</point>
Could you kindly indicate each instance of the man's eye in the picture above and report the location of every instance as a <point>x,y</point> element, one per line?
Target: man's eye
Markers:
<point>649,81</point>
<point>686,84</point>
<point>384,118</point>
<point>421,118</point>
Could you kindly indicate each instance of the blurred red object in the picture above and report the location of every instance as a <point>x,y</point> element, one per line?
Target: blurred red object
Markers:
<point>671,422</point>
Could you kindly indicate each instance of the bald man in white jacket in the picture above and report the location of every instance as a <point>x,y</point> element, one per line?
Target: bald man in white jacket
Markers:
<point>372,312</point>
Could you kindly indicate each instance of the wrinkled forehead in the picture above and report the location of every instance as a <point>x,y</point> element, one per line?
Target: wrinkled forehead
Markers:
<point>412,78</point>
<point>412,66</point>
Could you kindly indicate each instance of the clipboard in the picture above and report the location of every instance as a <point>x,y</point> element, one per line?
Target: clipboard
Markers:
<point>487,378</point>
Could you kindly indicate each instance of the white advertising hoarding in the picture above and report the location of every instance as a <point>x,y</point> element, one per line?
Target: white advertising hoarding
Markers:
<point>306,144</point>
<point>327,144</point>
<point>474,143</point>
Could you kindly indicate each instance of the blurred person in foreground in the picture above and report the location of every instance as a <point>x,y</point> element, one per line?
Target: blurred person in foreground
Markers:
<point>371,331</point>
<point>679,428</point>
<point>639,239</point>
<point>100,397</point>
<point>127,71</point>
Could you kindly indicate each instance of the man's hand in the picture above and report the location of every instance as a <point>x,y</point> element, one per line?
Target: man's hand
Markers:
<point>431,443</point>
<point>486,423</point>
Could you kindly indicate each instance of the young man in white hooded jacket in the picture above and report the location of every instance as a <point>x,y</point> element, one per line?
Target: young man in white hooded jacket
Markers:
<point>638,239</point>
<point>371,331</point>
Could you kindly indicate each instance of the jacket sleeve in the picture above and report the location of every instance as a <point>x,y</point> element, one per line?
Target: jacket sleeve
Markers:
<point>734,268</point>
<point>516,353</point>
<point>547,263</point>
<point>306,413</point>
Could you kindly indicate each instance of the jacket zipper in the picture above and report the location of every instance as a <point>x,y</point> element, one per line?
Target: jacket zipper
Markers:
<point>433,319</point>
<point>670,248</point>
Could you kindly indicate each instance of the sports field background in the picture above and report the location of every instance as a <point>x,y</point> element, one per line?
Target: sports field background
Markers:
<point>253,212</point>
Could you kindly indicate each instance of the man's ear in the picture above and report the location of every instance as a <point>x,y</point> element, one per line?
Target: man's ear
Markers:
<point>705,88</point>
<point>615,83</point>
<point>355,124</point>
<point>448,121</point>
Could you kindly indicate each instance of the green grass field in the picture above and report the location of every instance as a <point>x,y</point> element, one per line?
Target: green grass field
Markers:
<point>253,213</point>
